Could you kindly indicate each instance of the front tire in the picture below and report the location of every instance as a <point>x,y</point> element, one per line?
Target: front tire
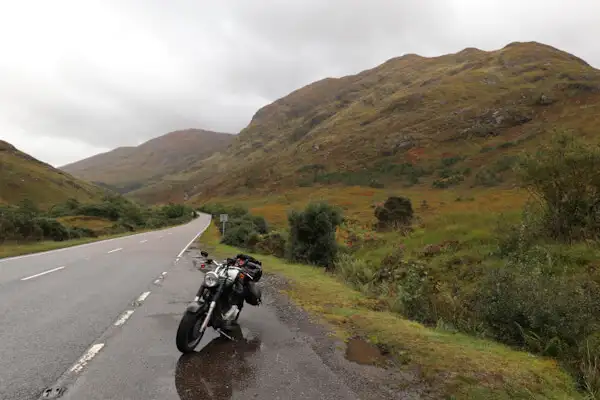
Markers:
<point>188,333</point>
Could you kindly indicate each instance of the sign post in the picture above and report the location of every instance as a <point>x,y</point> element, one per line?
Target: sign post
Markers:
<point>223,219</point>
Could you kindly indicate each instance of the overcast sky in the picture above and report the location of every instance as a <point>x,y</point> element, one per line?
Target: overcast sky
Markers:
<point>78,77</point>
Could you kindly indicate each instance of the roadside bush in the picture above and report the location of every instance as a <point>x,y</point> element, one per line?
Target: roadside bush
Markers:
<point>273,243</point>
<point>77,233</point>
<point>312,234</point>
<point>102,210</point>
<point>26,222</point>
<point>548,314</point>
<point>564,180</point>
<point>52,229</point>
<point>238,235</point>
<point>396,213</point>
<point>260,224</point>
<point>173,211</point>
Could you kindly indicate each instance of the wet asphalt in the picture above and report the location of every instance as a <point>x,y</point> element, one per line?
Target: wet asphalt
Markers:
<point>267,359</point>
<point>53,306</point>
<point>104,328</point>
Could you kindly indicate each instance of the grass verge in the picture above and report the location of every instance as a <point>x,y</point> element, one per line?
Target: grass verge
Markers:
<point>455,365</point>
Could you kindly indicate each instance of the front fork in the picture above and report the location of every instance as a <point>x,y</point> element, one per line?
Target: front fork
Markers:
<point>208,315</point>
<point>211,308</point>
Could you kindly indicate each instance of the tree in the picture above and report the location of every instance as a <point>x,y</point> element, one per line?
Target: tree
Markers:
<point>396,213</point>
<point>312,234</point>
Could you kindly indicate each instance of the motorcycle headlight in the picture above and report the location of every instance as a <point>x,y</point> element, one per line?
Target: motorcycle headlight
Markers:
<point>211,279</point>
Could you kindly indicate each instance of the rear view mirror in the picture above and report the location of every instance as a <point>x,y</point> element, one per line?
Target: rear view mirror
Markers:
<point>204,253</point>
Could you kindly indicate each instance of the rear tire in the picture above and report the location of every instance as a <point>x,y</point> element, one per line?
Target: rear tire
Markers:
<point>188,333</point>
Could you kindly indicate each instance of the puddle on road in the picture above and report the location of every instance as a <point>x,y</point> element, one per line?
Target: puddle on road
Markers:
<point>218,370</point>
<point>362,352</point>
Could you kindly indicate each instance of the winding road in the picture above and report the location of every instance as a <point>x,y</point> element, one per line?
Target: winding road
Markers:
<point>98,321</point>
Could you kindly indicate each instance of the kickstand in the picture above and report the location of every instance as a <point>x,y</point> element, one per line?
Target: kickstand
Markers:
<point>226,335</point>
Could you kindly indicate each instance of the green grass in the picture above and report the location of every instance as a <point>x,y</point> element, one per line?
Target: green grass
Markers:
<point>453,365</point>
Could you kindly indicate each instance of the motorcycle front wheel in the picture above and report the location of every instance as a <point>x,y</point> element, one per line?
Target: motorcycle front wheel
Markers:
<point>188,333</point>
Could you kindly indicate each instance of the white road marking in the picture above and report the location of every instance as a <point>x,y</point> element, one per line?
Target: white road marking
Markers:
<point>115,250</point>
<point>144,241</point>
<point>41,253</point>
<point>164,273</point>
<point>124,317</point>
<point>192,241</point>
<point>170,233</point>
<point>143,296</point>
<point>91,353</point>
<point>42,273</point>
<point>156,282</point>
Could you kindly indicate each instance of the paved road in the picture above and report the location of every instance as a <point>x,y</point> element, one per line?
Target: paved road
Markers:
<point>53,306</point>
<point>103,327</point>
<point>140,361</point>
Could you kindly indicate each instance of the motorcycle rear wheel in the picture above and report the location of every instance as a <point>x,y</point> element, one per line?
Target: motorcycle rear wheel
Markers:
<point>188,333</point>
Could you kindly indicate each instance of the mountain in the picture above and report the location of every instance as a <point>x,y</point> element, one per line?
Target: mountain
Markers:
<point>453,120</point>
<point>129,168</point>
<point>24,177</point>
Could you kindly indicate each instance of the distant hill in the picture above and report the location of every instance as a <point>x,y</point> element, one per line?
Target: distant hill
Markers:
<point>24,177</point>
<point>453,120</point>
<point>129,168</point>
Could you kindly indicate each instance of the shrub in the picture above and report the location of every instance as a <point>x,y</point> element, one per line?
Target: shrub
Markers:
<point>238,233</point>
<point>52,229</point>
<point>260,224</point>
<point>102,210</point>
<point>549,313</point>
<point>564,179</point>
<point>273,243</point>
<point>312,234</point>
<point>173,211</point>
<point>396,212</point>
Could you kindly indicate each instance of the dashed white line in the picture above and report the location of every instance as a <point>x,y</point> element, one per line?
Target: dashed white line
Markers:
<point>115,250</point>
<point>143,241</point>
<point>164,273</point>
<point>42,273</point>
<point>124,317</point>
<point>170,233</point>
<point>143,296</point>
<point>156,282</point>
<point>91,353</point>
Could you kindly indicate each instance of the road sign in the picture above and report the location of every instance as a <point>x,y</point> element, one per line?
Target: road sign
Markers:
<point>223,219</point>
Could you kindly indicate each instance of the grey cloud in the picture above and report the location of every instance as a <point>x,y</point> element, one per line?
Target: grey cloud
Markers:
<point>132,70</point>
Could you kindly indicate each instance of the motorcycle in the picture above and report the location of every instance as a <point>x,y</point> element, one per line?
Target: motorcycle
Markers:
<point>220,299</point>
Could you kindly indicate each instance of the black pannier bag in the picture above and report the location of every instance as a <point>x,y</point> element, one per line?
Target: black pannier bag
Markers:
<point>253,295</point>
<point>251,265</point>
